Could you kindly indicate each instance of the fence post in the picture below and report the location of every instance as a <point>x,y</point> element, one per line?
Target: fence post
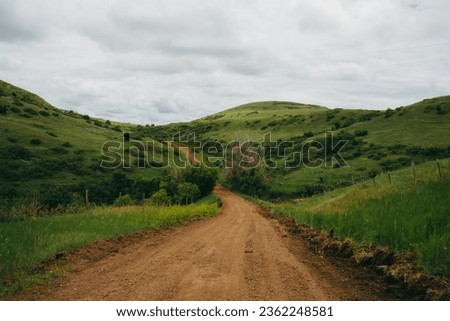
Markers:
<point>353,180</point>
<point>439,168</point>
<point>413,167</point>
<point>87,197</point>
<point>390,177</point>
<point>35,202</point>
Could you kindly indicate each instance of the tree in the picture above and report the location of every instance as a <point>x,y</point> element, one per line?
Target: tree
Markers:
<point>160,198</point>
<point>123,200</point>
<point>3,109</point>
<point>188,191</point>
<point>204,178</point>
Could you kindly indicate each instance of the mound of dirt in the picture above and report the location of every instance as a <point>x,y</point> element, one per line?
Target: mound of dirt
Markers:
<point>403,276</point>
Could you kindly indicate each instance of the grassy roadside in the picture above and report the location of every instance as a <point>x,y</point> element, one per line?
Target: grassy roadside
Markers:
<point>402,215</point>
<point>24,244</point>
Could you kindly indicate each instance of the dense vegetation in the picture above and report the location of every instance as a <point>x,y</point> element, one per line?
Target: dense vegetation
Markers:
<point>402,215</point>
<point>50,159</point>
<point>377,141</point>
<point>26,243</point>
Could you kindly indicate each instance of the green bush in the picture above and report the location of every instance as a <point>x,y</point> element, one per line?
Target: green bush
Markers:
<point>360,133</point>
<point>12,152</point>
<point>35,141</point>
<point>30,111</point>
<point>160,198</point>
<point>14,109</point>
<point>3,109</point>
<point>204,178</point>
<point>123,200</point>
<point>187,191</point>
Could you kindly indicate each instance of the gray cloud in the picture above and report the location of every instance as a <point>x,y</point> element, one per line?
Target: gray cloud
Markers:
<point>159,61</point>
<point>16,25</point>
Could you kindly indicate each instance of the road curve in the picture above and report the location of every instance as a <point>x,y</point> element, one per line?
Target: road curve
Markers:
<point>237,255</point>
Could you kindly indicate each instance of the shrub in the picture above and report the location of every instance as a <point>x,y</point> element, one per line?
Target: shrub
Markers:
<point>44,113</point>
<point>67,144</point>
<point>55,114</point>
<point>35,141</point>
<point>14,109</point>
<point>123,200</point>
<point>337,125</point>
<point>308,134</point>
<point>12,139</point>
<point>360,133</point>
<point>204,178</point>
<point>3,109</point>
<point>388,113</point>
<point>160,198</point>
<point>187,191</point>
<point>30,111</point>
<point>15,152</point>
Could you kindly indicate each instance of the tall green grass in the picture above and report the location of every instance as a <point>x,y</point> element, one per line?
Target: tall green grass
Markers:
<point>403,216</point>
<point>26,243</point>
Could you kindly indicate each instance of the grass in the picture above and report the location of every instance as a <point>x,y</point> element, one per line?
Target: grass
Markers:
<point>394,138</point>
<point>389,136</point>
<point>24,244</point>
<point>70,148</point>
<point>403,216</point>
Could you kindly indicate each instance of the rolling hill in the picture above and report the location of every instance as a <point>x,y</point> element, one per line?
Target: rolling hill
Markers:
<point>43,146</point>
<point>376,140</point>
<point>55,154</point>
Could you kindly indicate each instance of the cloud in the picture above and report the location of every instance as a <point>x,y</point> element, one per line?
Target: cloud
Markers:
<point>159,61</point>
<point>16,24</point>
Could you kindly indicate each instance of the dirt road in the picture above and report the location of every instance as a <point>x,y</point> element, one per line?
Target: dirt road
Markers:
<point>237,255</point>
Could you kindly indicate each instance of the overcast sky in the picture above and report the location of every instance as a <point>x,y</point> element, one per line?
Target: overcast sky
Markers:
<point>166,61</point>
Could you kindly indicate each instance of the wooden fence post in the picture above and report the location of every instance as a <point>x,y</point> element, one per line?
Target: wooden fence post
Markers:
<point>439,168</point>
<point>35,202</point>
<point>390,177</point>
<point>87,197</point>
<point>413,167</point>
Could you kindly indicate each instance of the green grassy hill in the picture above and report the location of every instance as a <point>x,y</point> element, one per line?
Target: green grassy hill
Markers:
<point>395,212</point>
<point>44,145</point>
<point>57,153</point>
<point>377,140</point>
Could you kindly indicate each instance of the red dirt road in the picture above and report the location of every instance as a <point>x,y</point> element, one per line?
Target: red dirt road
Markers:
<point>237,255</point>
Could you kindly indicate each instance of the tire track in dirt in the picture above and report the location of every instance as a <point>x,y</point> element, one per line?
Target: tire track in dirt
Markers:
<point>237,255</point>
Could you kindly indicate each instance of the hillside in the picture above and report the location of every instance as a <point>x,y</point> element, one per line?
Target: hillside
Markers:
<point>55,154</point>
<point>44,146</point>
<point>376,140</point>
